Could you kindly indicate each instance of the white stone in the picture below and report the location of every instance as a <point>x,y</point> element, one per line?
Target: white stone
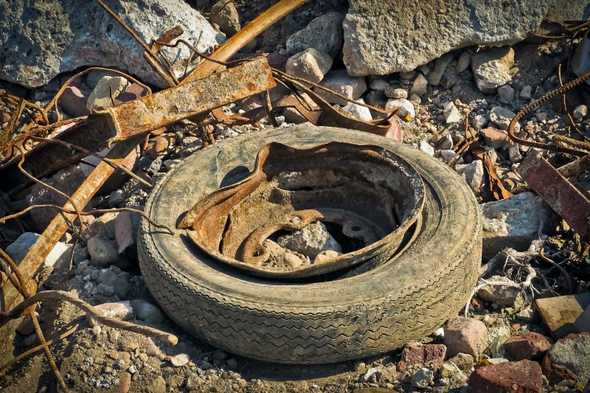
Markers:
<point>492,68</point>
<point>405,109</point>
<point>426,148</point>
<point>117,310</point>
<point>341,82</point>
<point>310,241</point>
<point>179,360</point>
<point>310,64</point>
<point>147,312</point>
<point>396,92</point>
<point>359,111</point>
<point>580,112</point>
<point>451,113</point>
<point>472,173</point>
<point>501,117</point>
<point>445,142</point>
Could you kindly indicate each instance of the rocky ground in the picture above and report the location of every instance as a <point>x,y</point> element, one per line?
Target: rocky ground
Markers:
<point>514,334</point>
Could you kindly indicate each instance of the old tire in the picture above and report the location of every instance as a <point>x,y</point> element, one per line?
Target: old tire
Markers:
<point>321,322</point>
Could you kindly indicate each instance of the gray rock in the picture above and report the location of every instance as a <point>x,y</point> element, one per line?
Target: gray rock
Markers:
<point>501,117</point>
<point>341,82</point>
<point>492,68</point>
<point>39,40</point>
<point>514,153</point>
<point>451,113</point>
<point>419,86</point>
<point>526,93</point>
<point>115,278</point>
<point>102,251</point>
<point>506,94</point>
<point>104,93</point>
<point>147,312</point>
<point>378,84</point>
<point>472,173</point>
<point>396,92</point>
<point>514,222</point>
<point>358,111</point>
<point>445,142</point>
<point>126,227</point>
<point>422,378</point>
<point>479,121</point>
<point>440,66</point>
<point>383,37</point>
<point>310,241</point>
<point>463,62</point>
<point>19,248</point>
<point>447,155</point>
<point>309,64</point>
<point>225,15</point>
<point>73,102</point>
<point>571,355</point>
<point>404,107</point>
<point>324,33</point>
<point>67,180</point>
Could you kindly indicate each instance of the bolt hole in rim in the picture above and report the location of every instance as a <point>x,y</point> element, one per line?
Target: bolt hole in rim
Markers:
<point>367,197</point>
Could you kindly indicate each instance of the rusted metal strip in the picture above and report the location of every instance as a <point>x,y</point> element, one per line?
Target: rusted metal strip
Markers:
<point>146,114</point>
<point>121,154</point>
<point>563,197</point>
<point>243,37</point>
<point>188,99</point>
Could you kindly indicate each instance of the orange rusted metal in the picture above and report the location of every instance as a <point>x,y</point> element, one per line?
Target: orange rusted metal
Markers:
<point>188,99</point>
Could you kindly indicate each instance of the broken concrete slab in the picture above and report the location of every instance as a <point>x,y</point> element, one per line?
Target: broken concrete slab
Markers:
<point>565,314</point>
<point>39,40</point>
<point>515,222</point>
<point>383,37</point>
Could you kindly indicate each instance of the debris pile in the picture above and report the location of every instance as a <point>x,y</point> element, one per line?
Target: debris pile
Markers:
<point>98,101</point>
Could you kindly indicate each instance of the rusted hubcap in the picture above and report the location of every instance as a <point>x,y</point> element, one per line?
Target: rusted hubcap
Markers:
<point>367,194</point>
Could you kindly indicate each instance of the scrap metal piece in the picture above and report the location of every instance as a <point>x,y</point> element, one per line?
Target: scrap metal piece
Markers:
<point>188,99</point>
<point>563,197</point>
<point>371,195</point>
<point>146,114</point>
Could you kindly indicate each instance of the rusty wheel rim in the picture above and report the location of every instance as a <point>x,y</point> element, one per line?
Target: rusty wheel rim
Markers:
<point>371,195</point>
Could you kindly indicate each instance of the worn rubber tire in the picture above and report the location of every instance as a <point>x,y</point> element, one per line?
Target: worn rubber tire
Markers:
<point>323,322</point>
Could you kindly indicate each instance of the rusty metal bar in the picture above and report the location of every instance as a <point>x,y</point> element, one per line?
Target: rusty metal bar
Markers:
<point>121,154</point>
<point>188,99</point>
<point>563,197</point>
<point>243,37</point>
<point>146,114</point>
